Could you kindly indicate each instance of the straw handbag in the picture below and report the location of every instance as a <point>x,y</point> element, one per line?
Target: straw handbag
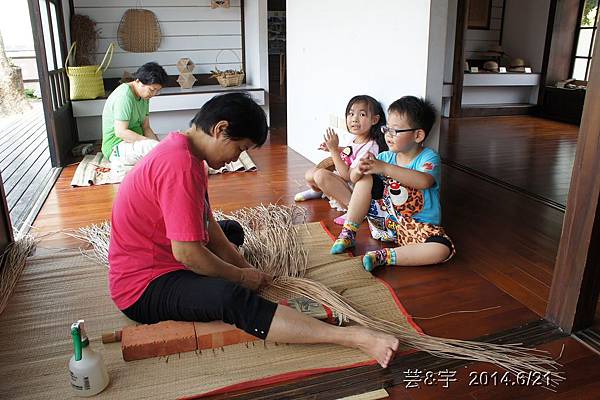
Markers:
<point>86,82</point>
<point>229,77</point>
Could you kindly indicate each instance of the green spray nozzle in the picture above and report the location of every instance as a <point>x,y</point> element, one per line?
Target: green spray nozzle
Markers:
<point>76,336</point>
<point>79,337</point>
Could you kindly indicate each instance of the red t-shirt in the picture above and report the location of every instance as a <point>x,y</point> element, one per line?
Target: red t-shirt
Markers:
<point>163,198</point>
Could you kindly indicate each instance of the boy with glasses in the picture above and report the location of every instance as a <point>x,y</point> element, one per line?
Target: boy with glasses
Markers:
<point>126,133</point>
<point>398,192</point>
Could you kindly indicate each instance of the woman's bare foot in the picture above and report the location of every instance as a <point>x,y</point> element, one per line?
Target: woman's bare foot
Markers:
<point>381,346</point>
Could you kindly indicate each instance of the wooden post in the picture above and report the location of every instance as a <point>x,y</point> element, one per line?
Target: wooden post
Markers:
<point>458,66</point>
<point>576,280</point>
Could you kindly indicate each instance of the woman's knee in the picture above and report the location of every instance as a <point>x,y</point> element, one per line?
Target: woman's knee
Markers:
<point>234,231</point>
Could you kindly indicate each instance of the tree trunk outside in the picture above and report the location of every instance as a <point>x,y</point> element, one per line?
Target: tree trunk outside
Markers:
<point>12,92</point>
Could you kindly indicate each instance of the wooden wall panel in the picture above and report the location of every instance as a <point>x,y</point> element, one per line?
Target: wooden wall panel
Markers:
<point>190,28</point>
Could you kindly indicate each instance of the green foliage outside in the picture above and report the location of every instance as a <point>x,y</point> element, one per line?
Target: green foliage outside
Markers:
<point>589,12</point>
<point>30,94</point>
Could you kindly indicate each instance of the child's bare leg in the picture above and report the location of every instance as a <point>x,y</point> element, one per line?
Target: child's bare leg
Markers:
<point>357,210</point>
<point>334,186</point>
<point>314,192</point>
<point>411,255</point>
<point>291,326</point>
<point>360,200</point>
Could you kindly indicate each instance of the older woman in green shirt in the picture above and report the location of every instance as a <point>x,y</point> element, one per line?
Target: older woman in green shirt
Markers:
<point>126,133</point>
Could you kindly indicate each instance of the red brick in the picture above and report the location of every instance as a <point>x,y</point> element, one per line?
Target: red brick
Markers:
<point>164,338</point>
<point>211,335</point>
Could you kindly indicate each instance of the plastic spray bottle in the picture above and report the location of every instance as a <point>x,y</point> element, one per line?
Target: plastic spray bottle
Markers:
<point>86,367</point>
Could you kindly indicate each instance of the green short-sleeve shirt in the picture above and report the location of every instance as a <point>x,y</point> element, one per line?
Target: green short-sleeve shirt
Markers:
<point>122,105</point>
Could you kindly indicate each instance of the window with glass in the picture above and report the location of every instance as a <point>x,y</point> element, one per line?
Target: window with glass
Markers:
<point>585,37</point>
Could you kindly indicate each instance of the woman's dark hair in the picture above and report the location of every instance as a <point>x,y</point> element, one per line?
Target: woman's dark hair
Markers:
<point>151,73</point>
<point>419,112</point>
<point>246,119</point>
<point>376,109</point>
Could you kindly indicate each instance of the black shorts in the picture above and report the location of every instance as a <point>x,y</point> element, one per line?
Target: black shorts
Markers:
<point>184,295</point>
<point>377,189</point>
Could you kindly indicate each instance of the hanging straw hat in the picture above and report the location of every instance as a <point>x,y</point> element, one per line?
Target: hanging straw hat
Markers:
<point>139,31</point>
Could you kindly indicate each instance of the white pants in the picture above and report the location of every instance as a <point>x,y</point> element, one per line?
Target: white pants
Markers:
<point>126,155</point>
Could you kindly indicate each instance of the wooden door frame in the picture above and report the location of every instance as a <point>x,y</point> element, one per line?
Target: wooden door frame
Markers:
<point>458,64</point>
<point>6,232</point>
<point>35,14</point>
<point>576,280</point>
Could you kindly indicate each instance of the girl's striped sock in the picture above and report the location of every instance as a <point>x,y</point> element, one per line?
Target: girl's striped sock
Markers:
<point>346,239</point>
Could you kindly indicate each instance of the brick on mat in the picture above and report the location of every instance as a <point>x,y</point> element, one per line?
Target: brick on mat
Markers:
<point>171,337</point>
<point>161,339</point>
<point>211,335</point>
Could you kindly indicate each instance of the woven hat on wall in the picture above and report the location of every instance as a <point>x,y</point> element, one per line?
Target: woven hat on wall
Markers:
<point>139,31</point>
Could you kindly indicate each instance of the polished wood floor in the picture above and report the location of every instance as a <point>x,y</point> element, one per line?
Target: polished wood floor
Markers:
<point>529,153</point>
<point>506,245</point>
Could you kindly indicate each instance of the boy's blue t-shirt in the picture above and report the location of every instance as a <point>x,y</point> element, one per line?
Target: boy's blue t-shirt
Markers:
<point>427,161</point>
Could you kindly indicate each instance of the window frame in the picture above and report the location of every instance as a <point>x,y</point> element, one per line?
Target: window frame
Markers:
<point>578,30</point>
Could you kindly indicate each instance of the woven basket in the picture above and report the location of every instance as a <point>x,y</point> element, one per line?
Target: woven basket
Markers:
<point>85,83</point>
<point>139,31</point>
<point>230,77</point>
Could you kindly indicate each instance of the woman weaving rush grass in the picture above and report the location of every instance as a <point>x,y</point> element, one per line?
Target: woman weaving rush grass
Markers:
<point>171,260</point>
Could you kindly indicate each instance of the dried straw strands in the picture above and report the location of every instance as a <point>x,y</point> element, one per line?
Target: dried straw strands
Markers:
<point>12,263</point>
<point>271,238</point>
<point>517,360</point>
<point>96,235</point>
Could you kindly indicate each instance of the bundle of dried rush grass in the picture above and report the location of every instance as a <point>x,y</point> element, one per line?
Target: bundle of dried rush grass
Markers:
<point>84,32</point>
<point>271,240</point>
<point>12,263</point>
<point>270,243</point>
<point>98,236</point>
<point>517,360</point>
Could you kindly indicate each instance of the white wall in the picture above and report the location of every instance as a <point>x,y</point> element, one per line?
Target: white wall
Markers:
<point>337,49</point>
<point>190,28</point>
<point>256,46</point>
<point>478,40</point>
<point>524,35</point>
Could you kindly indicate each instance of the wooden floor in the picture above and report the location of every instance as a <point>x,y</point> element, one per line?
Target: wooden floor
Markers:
<point>506,245</point>
<point>24,162</point>
<point>529,153</point>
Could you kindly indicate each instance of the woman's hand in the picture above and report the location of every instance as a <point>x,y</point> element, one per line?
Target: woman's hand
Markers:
<point>254,279</point>
<point>369,165</point>
<point>331,140</point>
